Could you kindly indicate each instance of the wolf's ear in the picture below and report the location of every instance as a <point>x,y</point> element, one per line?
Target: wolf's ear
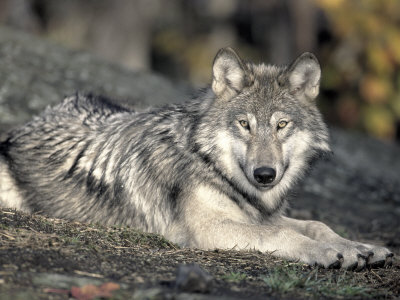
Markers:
<point>303,76</point>
<point>228,74</point>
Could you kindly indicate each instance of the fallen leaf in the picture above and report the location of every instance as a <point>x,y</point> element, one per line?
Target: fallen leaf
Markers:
<point>90,291</point>
<point>109,286</point>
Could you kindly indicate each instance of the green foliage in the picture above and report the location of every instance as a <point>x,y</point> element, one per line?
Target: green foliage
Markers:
<point>234,276</point>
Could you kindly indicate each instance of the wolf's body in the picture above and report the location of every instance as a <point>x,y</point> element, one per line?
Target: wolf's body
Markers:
<point>211,173</point>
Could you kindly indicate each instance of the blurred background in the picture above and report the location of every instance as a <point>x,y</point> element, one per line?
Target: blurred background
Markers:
<point>357,43</point>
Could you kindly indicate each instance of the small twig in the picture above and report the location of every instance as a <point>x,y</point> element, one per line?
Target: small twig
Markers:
<point>88,274</point>
<point>379,277</point>
<point>8,212</point>
<point>8,236</point>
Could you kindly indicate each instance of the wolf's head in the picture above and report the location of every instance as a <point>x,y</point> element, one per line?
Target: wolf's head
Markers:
<point>267,125</point>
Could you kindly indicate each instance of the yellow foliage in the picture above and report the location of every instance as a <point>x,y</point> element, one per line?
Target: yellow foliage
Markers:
<point>379,121</point>
<point>393,43</point>
<point>371,29</point>
<point>378,58</point>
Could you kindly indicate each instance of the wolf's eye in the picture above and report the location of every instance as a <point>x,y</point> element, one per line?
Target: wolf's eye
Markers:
<point>244,124</point>
<point>282,124</point>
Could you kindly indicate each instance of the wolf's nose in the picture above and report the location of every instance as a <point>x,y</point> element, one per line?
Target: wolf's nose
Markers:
<point>264,175</point>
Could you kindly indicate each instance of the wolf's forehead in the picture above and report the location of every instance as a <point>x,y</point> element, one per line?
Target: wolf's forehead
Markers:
<point>264,74</point>
<point>265,88</point>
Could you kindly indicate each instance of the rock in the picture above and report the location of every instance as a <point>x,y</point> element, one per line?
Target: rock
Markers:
<point>35,73</point>
<point>192,279</point>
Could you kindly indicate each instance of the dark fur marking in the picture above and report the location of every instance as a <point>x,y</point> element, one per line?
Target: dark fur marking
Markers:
<point>173,194</point>
<point>74,166</point>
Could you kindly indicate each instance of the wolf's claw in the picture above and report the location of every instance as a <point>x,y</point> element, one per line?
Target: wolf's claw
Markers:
<point>370,254</point>
<point>337,264</point>
<point>388,260</point>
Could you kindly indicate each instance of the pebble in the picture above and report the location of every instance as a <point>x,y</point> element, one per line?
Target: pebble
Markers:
<point>193,279</point>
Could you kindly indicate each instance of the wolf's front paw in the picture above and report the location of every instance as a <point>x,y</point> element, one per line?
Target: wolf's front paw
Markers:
<point>358,256</point>
<point>350,255</point>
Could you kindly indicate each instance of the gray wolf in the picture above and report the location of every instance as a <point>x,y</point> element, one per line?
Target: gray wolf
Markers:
<point>210,173</point>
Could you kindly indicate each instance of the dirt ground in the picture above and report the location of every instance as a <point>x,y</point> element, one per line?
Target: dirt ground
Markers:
<point>43,258</point>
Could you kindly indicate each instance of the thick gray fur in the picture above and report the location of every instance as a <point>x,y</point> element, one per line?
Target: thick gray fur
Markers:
<point>193,172</point>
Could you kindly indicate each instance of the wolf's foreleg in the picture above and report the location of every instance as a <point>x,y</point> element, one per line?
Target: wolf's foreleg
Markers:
<point>212,220</point>
<point>280,241</point>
